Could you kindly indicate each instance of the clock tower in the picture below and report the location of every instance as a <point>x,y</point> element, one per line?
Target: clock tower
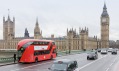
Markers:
<point>37,32</point>
<point>105,28</point>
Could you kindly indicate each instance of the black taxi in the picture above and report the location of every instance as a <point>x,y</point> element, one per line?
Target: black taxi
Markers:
<point>64,65</point>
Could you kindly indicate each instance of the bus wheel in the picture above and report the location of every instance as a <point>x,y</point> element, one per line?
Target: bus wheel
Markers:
<point>36,60</point>
<point>51,57</point>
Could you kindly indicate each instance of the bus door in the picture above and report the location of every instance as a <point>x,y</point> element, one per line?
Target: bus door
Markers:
<point>54,51</point>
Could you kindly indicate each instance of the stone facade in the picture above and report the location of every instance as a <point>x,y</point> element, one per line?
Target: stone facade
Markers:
<point>9,41</point>
<point>76,41</point>
<point>72,40</point>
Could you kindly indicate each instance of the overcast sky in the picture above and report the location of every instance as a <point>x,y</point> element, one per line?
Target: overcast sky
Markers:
<point>55,16</point>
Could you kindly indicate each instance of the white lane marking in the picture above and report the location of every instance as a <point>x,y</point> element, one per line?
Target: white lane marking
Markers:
<point>107,69</point>
<point>40,64</point>
<point>90,63</point>
<point>111,63</point>
<point>36,65</point>
<point>116,65</point>
<point>29,66</point>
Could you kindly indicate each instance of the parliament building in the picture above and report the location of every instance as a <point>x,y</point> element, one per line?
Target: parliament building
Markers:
<point>71,41</point>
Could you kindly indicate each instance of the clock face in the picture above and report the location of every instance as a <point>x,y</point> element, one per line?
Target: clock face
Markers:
<point>103,19</point>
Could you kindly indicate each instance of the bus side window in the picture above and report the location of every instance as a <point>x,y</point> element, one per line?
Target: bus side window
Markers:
<point>47,43</point>
<point>35,43</point>
<point>35,53</point>
<point>54,51</point>
<point>47,52</point>
<point>53,43</point>
<point>50,47</point>
<point>41,52</point>
<point>42,43</point>
<point>39,43</point>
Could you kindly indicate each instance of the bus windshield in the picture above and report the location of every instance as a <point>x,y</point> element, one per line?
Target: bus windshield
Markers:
<point>22,49</point>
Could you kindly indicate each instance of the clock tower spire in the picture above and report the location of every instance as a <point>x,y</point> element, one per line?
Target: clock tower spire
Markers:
<point>104,28</point>
<point>37,32</point>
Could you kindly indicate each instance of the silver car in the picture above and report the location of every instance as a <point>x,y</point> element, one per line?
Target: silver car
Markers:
<point>92,55</point>
<point>103,51</point>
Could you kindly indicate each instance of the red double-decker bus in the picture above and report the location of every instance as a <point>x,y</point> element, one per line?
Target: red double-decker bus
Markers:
<point>34,50</point>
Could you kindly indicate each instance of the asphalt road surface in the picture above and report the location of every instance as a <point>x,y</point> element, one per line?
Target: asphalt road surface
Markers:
<point>105,62</point>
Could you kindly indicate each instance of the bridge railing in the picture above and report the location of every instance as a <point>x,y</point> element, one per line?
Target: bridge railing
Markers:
<point>59,53</point>
<point>8,59</point>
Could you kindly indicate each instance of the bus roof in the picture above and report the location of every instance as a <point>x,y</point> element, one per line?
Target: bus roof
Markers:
<point>24,41</point>
<point>27,40</point>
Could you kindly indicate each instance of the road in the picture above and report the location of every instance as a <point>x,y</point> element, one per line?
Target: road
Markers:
<point>107,62</point>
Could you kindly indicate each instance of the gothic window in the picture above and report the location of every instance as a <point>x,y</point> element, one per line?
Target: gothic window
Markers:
<point>11,29</point>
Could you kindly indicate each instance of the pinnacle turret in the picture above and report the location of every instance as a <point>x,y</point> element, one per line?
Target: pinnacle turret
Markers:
<point>104,13</point>
<point>37,22</point>
<point>26,34</point>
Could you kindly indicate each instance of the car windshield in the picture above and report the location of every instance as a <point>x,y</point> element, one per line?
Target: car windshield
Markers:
<point>91,53</point>
<point>110,48</point>
<point>103,50</point>
<point>61,67</point>
<point>114,50</point>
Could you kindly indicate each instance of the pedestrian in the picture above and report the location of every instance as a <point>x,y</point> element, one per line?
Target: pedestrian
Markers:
<point>14,57</point>
<point>92,50</point>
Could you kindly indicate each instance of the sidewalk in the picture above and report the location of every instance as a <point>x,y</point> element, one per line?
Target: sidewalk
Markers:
<point>7,63</point>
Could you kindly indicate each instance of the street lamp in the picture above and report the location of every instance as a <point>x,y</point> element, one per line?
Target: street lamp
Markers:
<point>69,45</point>
<point>97,43</point>
<point>69,48</point>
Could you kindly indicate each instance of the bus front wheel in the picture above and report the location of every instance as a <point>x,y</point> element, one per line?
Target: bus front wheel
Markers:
<point>36,60</point>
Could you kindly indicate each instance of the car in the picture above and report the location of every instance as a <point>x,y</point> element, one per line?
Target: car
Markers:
<point>117,49</point>
<point>92,55</point>
<point>114,51</point>
<point>64,65</point>
<point>110,49</point>
<point>104,51</point>
<point>99,50</point>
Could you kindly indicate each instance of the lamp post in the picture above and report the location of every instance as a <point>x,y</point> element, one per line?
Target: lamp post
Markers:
<point>97,43</point>
<point>69,45</point>
<point>69,48</point>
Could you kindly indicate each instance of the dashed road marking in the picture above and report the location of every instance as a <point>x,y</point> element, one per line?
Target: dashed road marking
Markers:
<point>90,63</point>
<point>111,63</point>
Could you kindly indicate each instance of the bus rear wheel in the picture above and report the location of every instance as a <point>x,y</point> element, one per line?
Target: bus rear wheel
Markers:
<point>51,57</point>
<point>36,60</point>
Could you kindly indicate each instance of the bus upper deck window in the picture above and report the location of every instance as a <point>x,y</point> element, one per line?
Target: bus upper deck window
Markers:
<point>53,43</point>
<point>35,43</point>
